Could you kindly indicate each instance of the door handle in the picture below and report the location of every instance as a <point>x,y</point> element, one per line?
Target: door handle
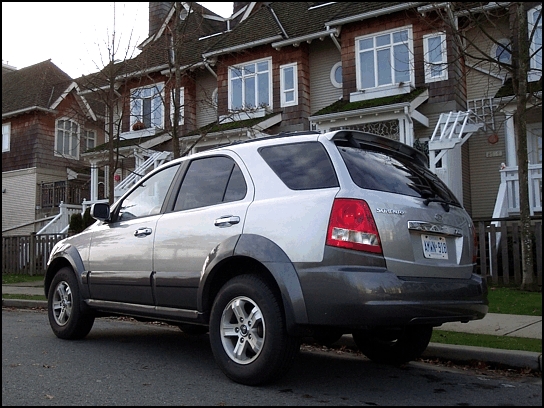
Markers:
<point>142,232</point>
<point>226,221</point>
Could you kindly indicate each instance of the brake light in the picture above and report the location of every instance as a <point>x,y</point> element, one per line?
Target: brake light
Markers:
<point>352,226</point>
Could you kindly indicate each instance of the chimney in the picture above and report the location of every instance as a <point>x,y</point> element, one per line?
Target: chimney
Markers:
<point>158,10</point>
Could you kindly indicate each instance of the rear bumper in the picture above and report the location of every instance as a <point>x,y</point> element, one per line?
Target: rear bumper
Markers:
<point>358,300</point>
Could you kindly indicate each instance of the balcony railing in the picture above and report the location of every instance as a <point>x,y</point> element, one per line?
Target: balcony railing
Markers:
<point>510,187</point>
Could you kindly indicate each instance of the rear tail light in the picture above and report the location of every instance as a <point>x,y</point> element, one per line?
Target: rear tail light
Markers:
<point>352,226</point>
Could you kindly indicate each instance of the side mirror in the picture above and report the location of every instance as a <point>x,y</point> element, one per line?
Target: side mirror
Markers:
<point>100,211</point>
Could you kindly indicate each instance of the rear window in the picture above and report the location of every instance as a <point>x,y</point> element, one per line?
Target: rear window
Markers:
<point>379,171</point>
<point>301,166</point>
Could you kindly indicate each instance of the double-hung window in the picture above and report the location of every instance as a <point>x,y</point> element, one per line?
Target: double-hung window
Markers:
<point>89,139</point>
<point>67,139</point>
<point>6,136</point>
<point>436,59</point>
<point>146,106</point>
<point>250,85</point>
<point>289,85</point>
<point>181,109</point>
<point>534,19</point>
<point>385,59</point>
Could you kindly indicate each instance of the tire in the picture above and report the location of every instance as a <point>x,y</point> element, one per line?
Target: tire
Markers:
<point>193,329</point>
<point>394,346</point>
<point>248,334</point>
<point>65,307</point>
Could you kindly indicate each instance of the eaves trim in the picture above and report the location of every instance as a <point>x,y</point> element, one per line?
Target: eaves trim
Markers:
<point>307,37</point>
<point>242,46</point>
<point>25,110</point>
<point>363,111</point>
<point>375,13</point>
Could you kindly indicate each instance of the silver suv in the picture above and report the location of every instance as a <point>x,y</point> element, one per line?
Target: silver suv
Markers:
<point>266,242</point>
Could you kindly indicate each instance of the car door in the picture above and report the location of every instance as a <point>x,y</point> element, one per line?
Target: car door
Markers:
<point>121,251</point>
<point>209,208</point>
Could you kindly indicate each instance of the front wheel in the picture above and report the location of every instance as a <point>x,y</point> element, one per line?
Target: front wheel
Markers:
<point>394,346</point>
<point>65,307</point>
<point>248,335</point>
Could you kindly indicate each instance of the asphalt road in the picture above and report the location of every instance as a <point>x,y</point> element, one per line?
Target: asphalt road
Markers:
<point>130,363</point>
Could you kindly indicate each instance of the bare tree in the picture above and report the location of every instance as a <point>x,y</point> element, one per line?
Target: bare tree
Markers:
<point>462,20</point>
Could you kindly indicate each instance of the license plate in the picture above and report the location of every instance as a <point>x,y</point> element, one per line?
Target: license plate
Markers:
<point>434,247</point>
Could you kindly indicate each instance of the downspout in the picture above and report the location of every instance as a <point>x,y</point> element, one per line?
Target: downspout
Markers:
<point>207,65</point>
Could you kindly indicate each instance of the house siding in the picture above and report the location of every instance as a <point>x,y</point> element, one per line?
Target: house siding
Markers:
<point>18,201</point>
<point>323,56</point>
<point>206,113</point>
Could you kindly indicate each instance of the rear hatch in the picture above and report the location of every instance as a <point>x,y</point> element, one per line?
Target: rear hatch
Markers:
<point>423,229</point>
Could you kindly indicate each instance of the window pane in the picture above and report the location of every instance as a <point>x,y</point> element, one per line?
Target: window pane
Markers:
<point>402,63</point>
<point>383,40</point>
<point>237,187</point>
<point>146,114</point>
<point>60,141</point>
<point>289,96</point>
<point>262,66</point>
<point>367,69</point>
<point>263,89</point>
<point>401,36</point>
<point>435,50</point>
<point>301,166</point>
<point>288,78</point>
<point>384,67</point>
<point>338,74</point>
<point>249,69</point>
<point>250,92</point>
<point>236,93</point>
<point>366,44</point>
<point>205,183</point>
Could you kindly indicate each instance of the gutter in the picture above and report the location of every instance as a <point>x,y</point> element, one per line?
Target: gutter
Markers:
<point>241,47</point>
<point>29,109</point>
<point>309,37</point>
<point>375,13</point>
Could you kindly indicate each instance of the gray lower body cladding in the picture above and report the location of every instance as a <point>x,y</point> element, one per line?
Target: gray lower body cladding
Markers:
<point>369,295</point>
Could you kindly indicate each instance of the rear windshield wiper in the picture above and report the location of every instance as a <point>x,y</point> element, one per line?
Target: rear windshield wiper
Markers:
<point>444,203</point>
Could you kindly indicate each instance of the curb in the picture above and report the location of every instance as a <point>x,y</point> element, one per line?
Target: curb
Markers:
<point>467,354</point>
<point>449,352</point>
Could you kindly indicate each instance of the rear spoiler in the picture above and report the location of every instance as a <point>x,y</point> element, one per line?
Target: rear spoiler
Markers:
<point>357,138</point>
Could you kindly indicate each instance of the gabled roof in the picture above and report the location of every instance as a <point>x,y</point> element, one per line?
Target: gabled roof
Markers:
<point>38,86</point>
<point>282,23</point>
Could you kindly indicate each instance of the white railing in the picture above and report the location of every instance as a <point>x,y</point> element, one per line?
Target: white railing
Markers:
<point>61,222</point>
<point>510,179</point>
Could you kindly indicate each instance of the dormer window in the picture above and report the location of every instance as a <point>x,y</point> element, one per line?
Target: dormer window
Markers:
<point>146,107</point>
<point>501,51</point>
<point>436,58</point>
<point>534,19</point>
<point>67,138</point>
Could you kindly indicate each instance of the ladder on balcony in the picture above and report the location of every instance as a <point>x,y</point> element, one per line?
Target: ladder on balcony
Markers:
<point>452,130</point>
<point>153,161</point>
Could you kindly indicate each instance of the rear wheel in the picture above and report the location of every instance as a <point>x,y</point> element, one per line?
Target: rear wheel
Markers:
<point>248,335</point>
<point>65,307</point>
<point>394,346</point>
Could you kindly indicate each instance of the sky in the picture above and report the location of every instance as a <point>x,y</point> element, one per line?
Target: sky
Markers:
<point>74,35</point>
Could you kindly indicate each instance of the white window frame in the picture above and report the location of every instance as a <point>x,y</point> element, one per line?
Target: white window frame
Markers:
<point>89,135</point>
<point>285,92</point>
<point>245,77</point>
<point>536,60</point>
<point>156,94</point>
<point>73,139</point>
<point>440,64</point>
<point>181,118</point>
<point>6,137</point>
<point>377,48</point>
<point>334,82</point>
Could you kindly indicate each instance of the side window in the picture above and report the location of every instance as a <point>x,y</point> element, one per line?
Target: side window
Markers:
<point>148,197</point>
<point>210,181</point>
<point>301,166</point>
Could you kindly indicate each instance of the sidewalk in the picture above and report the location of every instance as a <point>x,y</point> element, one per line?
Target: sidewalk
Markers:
<point>493,324</point>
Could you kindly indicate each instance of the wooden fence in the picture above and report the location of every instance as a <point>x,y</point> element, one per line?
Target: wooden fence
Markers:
<point>499,251</point>
<point>28,254</point>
